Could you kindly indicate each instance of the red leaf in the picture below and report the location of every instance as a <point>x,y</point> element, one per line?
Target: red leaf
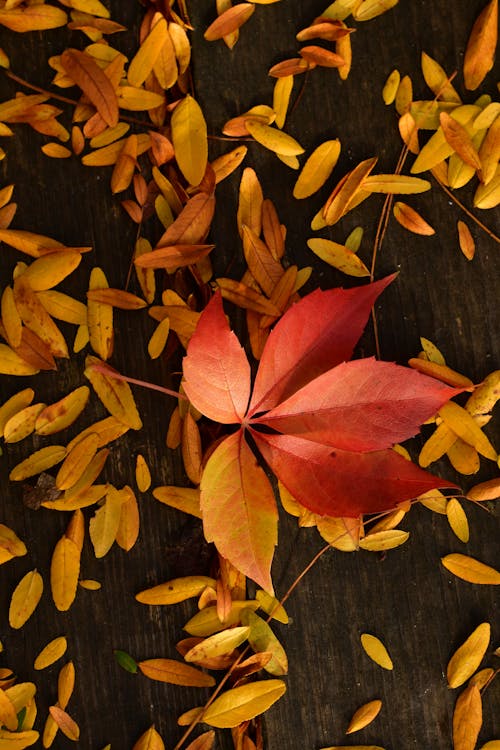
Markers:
<point>364,405</point>
<point>216,369</point>
<point>316,334</point>
<point>239,510</point>
<point>334,482</point>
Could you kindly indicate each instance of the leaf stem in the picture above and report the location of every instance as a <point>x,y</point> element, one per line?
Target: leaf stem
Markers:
<point>110,373</point>
<point>469,213</point>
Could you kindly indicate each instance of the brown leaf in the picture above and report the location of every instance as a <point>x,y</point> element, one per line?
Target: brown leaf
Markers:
<point>321,56</point>
<point>291,67</point>
<point>94,83</point>
<point>480,52</point>
<point>411,219</point>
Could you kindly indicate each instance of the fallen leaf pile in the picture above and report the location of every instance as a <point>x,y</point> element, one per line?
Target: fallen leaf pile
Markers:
<point>327,426</point>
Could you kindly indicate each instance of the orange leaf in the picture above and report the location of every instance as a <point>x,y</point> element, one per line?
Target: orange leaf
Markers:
<point>248,500</point>
<point>459,139</point>
<point>231,20</point>
<point>411,219</point>
<point>480,52</point>
<point>465,240</point>
<point>321,56</point>
<point>467,719</point>
<point>173,257</point>
<point>66,724</point>
<point>94,83</point>
<point>175,673</point>
<point>33,18</point>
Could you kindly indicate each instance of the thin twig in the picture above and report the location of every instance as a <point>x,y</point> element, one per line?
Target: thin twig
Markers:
<point>466,210</point>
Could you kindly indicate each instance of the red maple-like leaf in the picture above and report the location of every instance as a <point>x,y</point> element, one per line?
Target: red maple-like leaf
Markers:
<point>324,425</point>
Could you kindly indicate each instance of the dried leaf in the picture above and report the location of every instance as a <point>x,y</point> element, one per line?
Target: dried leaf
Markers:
<point>364,716</point>
<point>462,424</point>
<point>471,570</point>
<point>468,657</point>
<point>66,724</point>
<point>480,52</point>
<point>142,63</point>
<point>376,650</point>
<point>467,719</point>
<point>411,220</point>
<point>100,318</point>
<point>457,520</point>
<point>317,169</point>
<point>465,240</point>
<point>175,673</point>
<point>51,653</point>
<point>189,136</point>
<point>229,21</point>
<point>94,83</point>
<point>39,461</point>
<point>338,256</point>
<point>62,413</point>
<point>104,525</point>
<point>380,541</point>
<point>150,740</point>
<point>243,703</point>
<point>273,139</point>
<point>25,598</point>
<point>115,394</point>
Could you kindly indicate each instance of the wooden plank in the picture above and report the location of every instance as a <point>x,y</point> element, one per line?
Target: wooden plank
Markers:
<point>420,611</point>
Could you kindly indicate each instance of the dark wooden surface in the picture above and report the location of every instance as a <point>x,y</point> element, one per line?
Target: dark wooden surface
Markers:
<point>407,599</point>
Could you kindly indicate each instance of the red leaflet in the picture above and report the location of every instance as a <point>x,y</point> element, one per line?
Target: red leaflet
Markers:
<point>333,422</point>
<point>334,482</point>
<point>316,334</point>
<point>216,369</point>
<point>239,509</point>
<point>362,405</point>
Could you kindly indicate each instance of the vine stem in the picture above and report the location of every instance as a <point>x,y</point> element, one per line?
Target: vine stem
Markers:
<point>464,208</point>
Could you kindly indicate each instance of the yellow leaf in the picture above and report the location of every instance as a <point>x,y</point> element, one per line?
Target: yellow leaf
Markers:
<point>281,98</point>
<point>33,18</point>
<point>369,9</point>
<point>271,606</point>
<point>460,141</point>
<point>25,599</point>
<point>175,673</point>
<point>480,52</point>
<point>63,307</point>
<point>51,653</point>
<point>457,520</point>
<point>273,139</point>
<point>13,405</point>
<point>243,703</point>
<point>391,86</point>
<point>77,460</point>
<point>491,745</point>
<point>404,96</point>
<point>115,394</point>
<point>142,473</point>
<point>64,572</point>
<point>343,197</point>
<point>395,183</point>
<point>142,63</point>
<point>22,424</point>
<point>364,716</point>
<point>468,657</point>
<point>376,650</point>
<point>10,318</point>
<point>158,340</point>
<point>56,151</point>
<point>62,413</point>
<point>261,638</point>
<point>465,240</point>
<point>185,499</point>
<point>8,716</point>
<point>411,219</point>
<point>440,372</point>
<point>383,540</point>
<point>100,318</point>
<point>150,740</point>
<point>189,136</point>
<point>124,168</point>
<point>437,147</point>
<point>104,525</point>
<point>437,80</point>
<point>469,569</point>
<point>250,202</point>
<point>65,684</point>
<point>488,196</point>
<point>128,528</point>
<point>218,644</point>
<point>338,256</point>
<point>106,156</point>
<point>207,622</point>
<point>10,544</point>
<point>342,533</point>
<point>35,317</point>
<point>467,719</point>
<point>176,590</point>
<point>225,165</point>
<point>464,426</point>
<point>66,724</point>
<point>18,740</point>
<point>39,461</point>
<point>317,169</point>
<point>28,242</point>
<point>107,430</point>
<point>90,584</point>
